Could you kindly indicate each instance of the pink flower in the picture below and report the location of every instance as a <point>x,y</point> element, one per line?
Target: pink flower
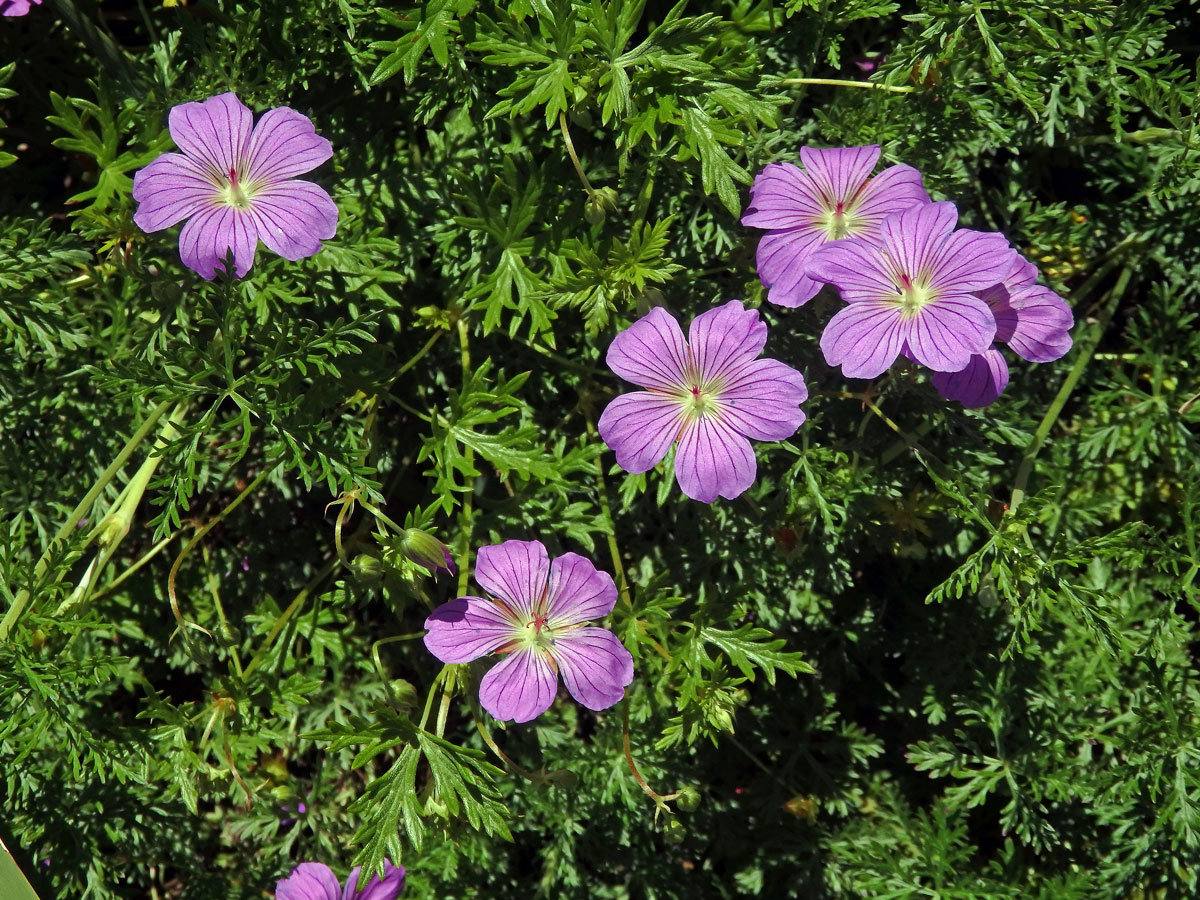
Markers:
<point>832,197</point>
<point>17,7</point>
<point>316,881</point>
<point>710,393</point>
<point>536,614</point>
<point>235,184</point>
<point>916,293</point>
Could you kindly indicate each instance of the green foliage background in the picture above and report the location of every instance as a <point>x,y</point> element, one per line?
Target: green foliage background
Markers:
<point>932,653</point>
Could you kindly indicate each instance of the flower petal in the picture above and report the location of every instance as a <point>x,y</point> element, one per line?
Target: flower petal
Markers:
<point>578,591</point>
<point>386,888</point>
<point>864,339</point>
<point>1036,323</point>
<point>858,269</point>
<point>911,237</point>
<point>309,881</point>
<point>762,400</point>
<point>893,190</point>
<point>521,687</point>
<point>467,628</point>
<point>169,190</point>
<point>595,666</point>
<point>979,384</point>
<point>515,572</point>
<point>724,338</point>
<point>713,460</point>
<point>210,235</point>
<point>640,428</point>
<point>293,217</point>
<point>651,352</point>
<point>783,196</point>
<point>949,330</point>
<point>214,132</point>
<point>839,172</point>
<point>781,259</point>
<point>970,261</point>
<point>283,144</point>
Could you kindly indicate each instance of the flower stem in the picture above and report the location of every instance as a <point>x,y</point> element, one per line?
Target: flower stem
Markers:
<point>660,800</point>
<point>842,82</point>
<point>324,572</point>
<point>81,509</point>
<point>1064,392</point>
<point>466,514</point>
<point>566,133</point>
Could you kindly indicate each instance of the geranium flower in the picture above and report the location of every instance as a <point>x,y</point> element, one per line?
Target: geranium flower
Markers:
<point>709,393</point>
<point>1033,320</point>
<point>235,184</point>
<point>914,293</point>
<point>316,881</point>
<point>832,197</point>
<point>17,7</point>
<point>536,614</point>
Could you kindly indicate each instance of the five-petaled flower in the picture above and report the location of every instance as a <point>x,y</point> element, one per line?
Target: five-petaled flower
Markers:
<point>316,881</point>
<point>235,184</point>
<point>17,7</point>
<point>915,293</point>
<point>1033,320</point>
<point>536,614</point>
<point>710,393</point>
<point>831,198</point>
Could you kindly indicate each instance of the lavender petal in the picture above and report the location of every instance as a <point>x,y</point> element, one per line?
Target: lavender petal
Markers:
<point>595,666</point>
<point>783,196</point>
<point>640,428</point>
<point>309,881</point>
<point>977,385</point>
<point>1043,321</point>
<point>169,190</point>
<point>578,592</point>
<point>858,270</point>
<point>911,237</point>
<point>839,172</point>
<point>521,687</point>
<point>761,400</point>
<point>780,261</point>
<point>651,352</point>
<point>386,888</point>
<point>864,339</point>
<point>208,237</point>
<point>949,330</point>
<point>467,628</point>
<point>970,261</point>
<point>893,190</point>
<point>283,144</point>
<point>712,460</point>
<point>725,338</point>
<point>213,132</point>
<point>514,572</point>
<point>293,217</point>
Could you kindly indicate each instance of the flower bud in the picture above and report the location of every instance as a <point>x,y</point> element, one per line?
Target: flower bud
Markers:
<point>673,831</point>
<point>404,694</point>
<point>367,568</point>
<point>687,799</point>
<point>426,551</point>
<point>228,636</point>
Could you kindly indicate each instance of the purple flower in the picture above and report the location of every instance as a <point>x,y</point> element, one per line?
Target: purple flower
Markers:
<point>535,614</point>
<point>235,184</point>
<point>832,197</point>
<point>710,393</point>
<point>17,7</point>
<point>1034,321</point>
<point>316,881</point>
<point>916,293</point>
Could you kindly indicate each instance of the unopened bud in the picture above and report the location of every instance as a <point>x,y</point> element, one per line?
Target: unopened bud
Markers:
<point>228,636</point>
<point>404,694</point>
<point>425,550</point>
<point>674,832</point>
<point>367,568</point>
<point>687,799</point>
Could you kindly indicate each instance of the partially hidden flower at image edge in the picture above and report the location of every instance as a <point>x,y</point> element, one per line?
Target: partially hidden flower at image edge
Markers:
<point>17,7</point>
<point>832,197</point>
<point>1033,320</point>
<point>316,881</point>
<point>536,614</point>
<point>709,395</point>
<point>915,293</point>
<point>235,184</point>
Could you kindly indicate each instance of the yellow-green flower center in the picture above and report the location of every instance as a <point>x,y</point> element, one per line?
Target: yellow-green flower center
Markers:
<point>837,222</point>
<point>912,297</point>
<point>234,192</point>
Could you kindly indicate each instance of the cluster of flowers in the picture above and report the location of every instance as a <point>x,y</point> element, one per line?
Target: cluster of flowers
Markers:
<point>914,284</point>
